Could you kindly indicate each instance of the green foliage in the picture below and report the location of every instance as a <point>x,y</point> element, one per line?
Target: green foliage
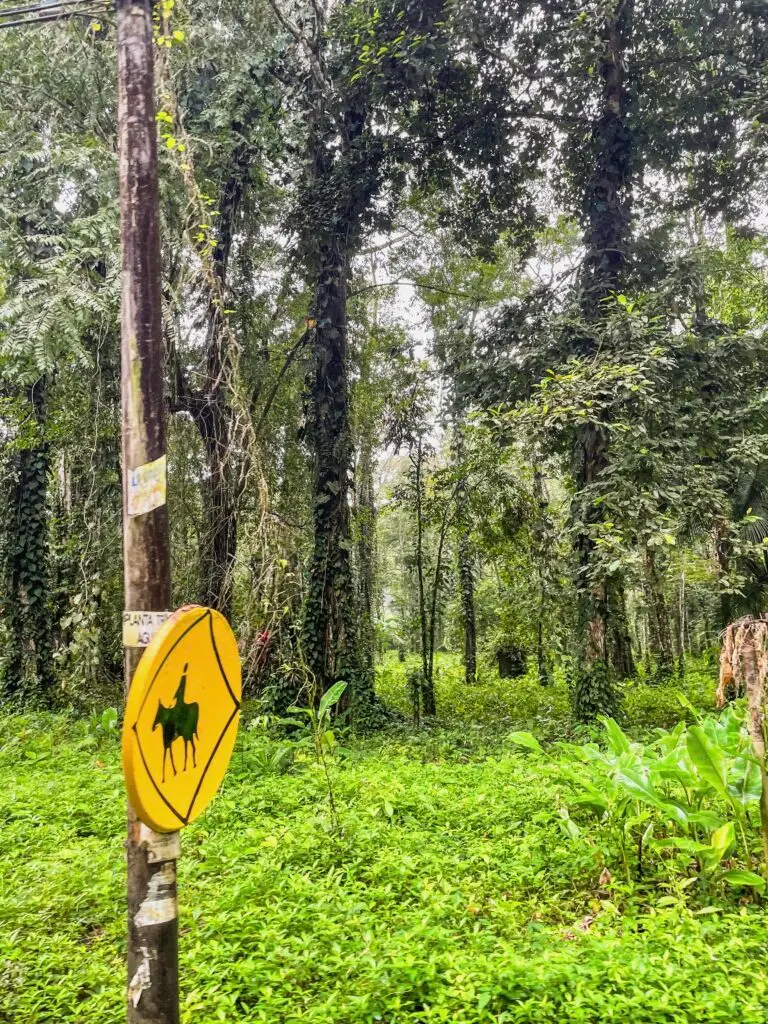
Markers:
<point>102,725</point>
<point>690,790</point>
<point>594,692</point>
<point>470,901</point>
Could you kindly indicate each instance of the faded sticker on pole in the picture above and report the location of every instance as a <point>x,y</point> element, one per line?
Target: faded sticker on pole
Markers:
<point>140,627</point>
<point>147,487</point>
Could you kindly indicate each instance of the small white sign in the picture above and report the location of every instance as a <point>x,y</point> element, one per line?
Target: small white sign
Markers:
<point>140,627</point>
<point>147,487</point>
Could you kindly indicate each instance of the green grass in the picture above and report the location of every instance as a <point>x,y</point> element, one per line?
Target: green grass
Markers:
<point>451,894</point>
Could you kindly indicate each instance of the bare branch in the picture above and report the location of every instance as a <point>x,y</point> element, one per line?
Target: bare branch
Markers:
<point>309,46</point>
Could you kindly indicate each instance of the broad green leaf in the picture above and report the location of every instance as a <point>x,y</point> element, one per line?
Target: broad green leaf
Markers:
<point>527,740</point>
<point>708,819</point>
<point>722,839</point>
<point>617,741</point>
<point>744,878</point>
<point>332,697</point>
<point>641,788</point>
<point>683,700</point>
<point>745,781</point>
<point>593,801</point>
<point>707,759</point>
<point>686,845</point>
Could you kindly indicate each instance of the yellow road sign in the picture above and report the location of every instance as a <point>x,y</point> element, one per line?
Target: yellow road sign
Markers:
<point>181,718</point>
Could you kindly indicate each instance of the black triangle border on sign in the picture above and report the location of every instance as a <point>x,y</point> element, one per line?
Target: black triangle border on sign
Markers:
<point>182,818</point>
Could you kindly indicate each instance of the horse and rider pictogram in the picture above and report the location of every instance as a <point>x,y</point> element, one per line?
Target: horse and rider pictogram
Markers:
<point>178,722</point>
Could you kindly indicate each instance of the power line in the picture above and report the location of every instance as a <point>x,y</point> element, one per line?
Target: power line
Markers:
<point>51,10</point>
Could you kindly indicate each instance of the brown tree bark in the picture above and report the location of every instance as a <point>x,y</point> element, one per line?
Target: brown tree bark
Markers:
<point>152,945</point>
<point>620,645</point>
<point>661,635</point>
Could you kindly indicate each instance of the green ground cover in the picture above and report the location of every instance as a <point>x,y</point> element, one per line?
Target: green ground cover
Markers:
<point>452,891</point>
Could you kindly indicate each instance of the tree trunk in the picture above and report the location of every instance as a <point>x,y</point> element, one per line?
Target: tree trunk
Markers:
<point>593,693</point>
<point>542,663</point>
<point>29,657</point>
<point>465,554</point>
<point>417,463</point>
<point>366,554</point>
<point>543,540</point>
<point>330,236</point>
<point>621,656</point>
<point>659,617</point>
<point>430,704</point>
<point>330,619</point>
<point>212,409</point>
<point>220,505</point>
<point>467,585</point>
<point>607,211</point>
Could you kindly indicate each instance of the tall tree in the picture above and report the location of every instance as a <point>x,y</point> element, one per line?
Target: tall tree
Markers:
<point>607,215</point>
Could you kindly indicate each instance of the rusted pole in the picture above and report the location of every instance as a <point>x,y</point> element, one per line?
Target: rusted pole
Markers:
<point>153,977</point>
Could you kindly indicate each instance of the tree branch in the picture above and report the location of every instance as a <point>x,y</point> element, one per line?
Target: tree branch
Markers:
<point>307,46</point>
<point>288,362</point>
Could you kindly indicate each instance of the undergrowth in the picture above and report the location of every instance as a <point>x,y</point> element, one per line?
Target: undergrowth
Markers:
<point>449,890</point>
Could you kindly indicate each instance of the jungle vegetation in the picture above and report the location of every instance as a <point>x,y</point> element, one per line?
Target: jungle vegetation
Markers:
<point>465,322</point>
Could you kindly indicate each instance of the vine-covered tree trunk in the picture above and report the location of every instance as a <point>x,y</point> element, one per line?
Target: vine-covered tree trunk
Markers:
<point>606,210</point>
<point>211,406</point>
<point>543,540</point>
<point>467,585</point>
<point>542,663</point>
<point>330,617</point>
<point>220,541</point>
<point>339,185</point>
<point>465,558</point>
<point>28,672</point>
<point>594,693</point>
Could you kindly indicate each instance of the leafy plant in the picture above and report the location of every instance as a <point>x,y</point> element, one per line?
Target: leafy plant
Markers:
<point>322,737</point>
<point>104,724</point>
<point>688,792</point>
